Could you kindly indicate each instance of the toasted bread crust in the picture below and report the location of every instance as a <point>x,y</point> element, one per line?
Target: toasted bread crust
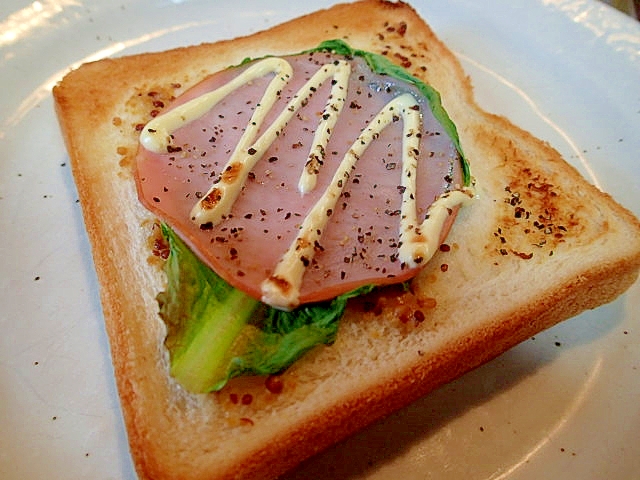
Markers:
<point>539,243</point>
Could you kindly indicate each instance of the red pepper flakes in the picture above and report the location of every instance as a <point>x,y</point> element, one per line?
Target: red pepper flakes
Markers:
<point>160,248</point>
<point>404,61</point>
<point>427,303</point>
<point>405,315</point>
<point>274,384</point>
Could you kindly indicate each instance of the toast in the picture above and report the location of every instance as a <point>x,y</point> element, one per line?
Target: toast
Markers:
<point>539,244</point>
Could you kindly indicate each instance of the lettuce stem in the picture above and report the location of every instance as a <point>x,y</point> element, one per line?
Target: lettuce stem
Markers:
<point>204,360</point>
<point>204,316</point>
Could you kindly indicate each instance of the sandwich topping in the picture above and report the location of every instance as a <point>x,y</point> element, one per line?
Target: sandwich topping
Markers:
<point>301,178</point>
<point>285,187</point>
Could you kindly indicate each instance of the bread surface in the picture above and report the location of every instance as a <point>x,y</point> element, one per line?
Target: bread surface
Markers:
<point>539,244</point>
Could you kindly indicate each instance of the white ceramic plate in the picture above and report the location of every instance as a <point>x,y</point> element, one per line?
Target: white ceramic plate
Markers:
<point>562,405</point>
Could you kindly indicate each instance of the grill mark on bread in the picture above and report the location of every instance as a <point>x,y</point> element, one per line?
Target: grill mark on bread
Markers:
<point>536,217</point>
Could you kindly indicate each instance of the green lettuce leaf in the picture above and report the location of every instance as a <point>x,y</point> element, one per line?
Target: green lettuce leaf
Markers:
<point>204,316</point>
<point>285,336</point>
<point>216,332</point>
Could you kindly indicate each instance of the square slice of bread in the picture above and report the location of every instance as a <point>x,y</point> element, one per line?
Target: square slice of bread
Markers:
<point>538,245</point>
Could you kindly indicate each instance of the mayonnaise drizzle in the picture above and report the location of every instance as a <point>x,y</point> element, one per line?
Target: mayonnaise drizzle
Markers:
<point>156,136</point>
<point>219,200</point>
<point>418,241</point>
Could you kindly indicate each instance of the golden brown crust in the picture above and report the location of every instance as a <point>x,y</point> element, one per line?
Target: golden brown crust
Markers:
<point>537,229</point>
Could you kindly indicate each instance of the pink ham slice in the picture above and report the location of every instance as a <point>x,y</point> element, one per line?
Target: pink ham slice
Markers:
<point>359,245</point>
